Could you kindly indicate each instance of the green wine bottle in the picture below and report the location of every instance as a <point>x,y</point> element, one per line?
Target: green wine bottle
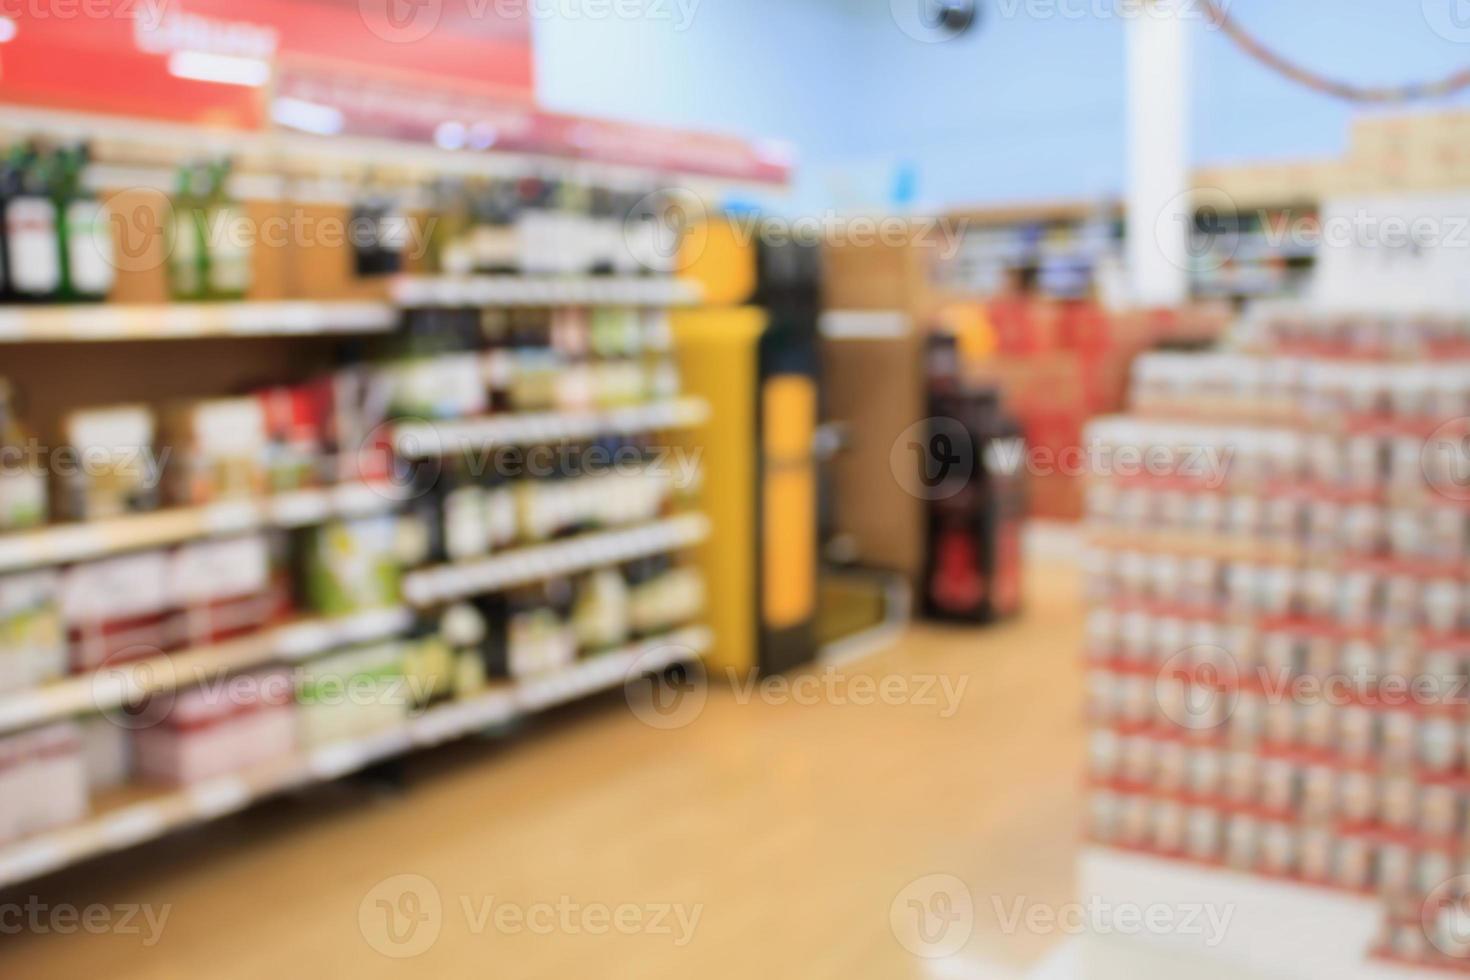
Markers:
<point>229,239</point>
<point>88,267</point>
<point>188,254</point>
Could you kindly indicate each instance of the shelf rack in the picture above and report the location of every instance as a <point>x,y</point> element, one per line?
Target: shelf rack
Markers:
<point>482,291</point>
<point>426,440</point>
<point>114,686</point>
<point>64,544</point>
<point>448,583</point>
<point>158,815</point>
<point>193,321</point>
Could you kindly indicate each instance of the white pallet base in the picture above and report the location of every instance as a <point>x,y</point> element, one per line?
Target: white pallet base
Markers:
<point>1278,930</point>
<point>170,811</point>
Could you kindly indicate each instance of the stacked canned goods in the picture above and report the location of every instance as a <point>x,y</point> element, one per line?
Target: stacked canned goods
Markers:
<point>1278,637</point>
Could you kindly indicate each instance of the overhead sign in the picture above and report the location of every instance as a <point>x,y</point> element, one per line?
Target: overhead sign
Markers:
<point>212,61</point>
<point>456,73</point>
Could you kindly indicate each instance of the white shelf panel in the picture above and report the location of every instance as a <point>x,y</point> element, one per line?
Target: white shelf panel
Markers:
<point>66,543</point>
<point>424,440</point>
<point>113,687</point>
<point>447,583</point>
<point>468,291</point>
<point>169,811</point>
<point>1276,929</point>
<point>191,321</point>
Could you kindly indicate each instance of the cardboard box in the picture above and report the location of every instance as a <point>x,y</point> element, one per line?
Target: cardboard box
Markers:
<point>874,390</point>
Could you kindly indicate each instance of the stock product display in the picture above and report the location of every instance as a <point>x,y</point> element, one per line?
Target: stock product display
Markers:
<point>1276,647</point>
<point>57,239</point>
<point>209,245</point>
<point>537,226</point>
<point>233,570</point>
<point>971,461</point>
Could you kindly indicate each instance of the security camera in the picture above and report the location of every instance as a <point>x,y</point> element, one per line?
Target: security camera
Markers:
<point>955,17</point>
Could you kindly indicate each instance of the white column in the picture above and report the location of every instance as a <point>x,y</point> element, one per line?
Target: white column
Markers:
<point>1158,149</point>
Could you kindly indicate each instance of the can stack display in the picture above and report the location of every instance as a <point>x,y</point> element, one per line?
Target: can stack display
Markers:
<point>1279,620</point>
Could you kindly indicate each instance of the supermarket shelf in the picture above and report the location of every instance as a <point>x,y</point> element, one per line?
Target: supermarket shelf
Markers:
<point>447,583</point>
<point>425,440</point>
<point>68,543</point>
<point>189,321</point>
<point>115,686</point>
<point>461,291</point>
<point>1275,929</point>
<point>162,814</point>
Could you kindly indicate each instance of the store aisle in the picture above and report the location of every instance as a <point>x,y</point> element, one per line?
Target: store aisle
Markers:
<point>768,837</point>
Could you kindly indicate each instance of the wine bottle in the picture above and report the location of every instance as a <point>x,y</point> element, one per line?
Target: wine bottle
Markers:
<point>379,231</point>
<point>22,478</point>
<point>231,254</point>
<point>9,186</point>
<point>32,240</point>
<point>188,253</point>
<point>87,260</point>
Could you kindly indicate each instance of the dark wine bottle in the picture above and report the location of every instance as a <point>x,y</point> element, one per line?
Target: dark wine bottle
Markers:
<point>32,238</point>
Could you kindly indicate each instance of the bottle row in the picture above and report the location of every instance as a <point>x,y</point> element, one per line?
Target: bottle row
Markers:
<point>1416,722</point>
<point>55,234</point>
<point>55,623</point>
<point>59,244</point>
<point>465,363</point>
<point>474,517</point>
<point>58,241</point>
<point>336,427</point>
<point>534,226</point>
<point>459,386</point>
<point>570,333</point>
<point>139,604</point>
<point>232,724</point>
<point>1282,848</point>
<point>1334,599</point>
<point>124,459</point>
<point>1226,385</point>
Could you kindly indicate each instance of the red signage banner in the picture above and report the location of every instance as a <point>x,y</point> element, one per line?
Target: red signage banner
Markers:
<point>212,61</point>
<point>456,73</point>
<point>331,102</point>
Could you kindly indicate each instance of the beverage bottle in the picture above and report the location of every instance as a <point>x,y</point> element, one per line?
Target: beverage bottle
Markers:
<point>22,476</point>
<point>571,240</point>
<point>188,253</point>
<point>604,233</point>
<point>379,232</point>
<point>229,239</point>
<point>450,247</point>
<point>496,238</point>
<point>536,224</point>
<point>87,260</point>
<point>9,185</point>
<point>32,242</point>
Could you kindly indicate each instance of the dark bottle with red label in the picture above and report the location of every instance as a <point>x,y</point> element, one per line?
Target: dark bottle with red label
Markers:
<point>972,570</point>
<point>32,235</point>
